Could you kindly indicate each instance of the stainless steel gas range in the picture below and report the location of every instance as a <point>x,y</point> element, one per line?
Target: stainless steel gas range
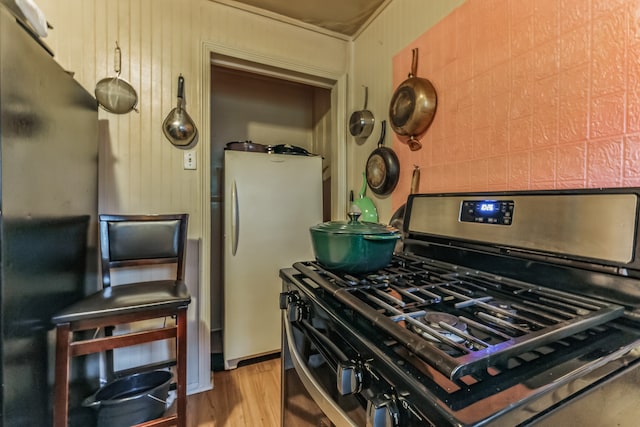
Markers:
<point>502,309</point>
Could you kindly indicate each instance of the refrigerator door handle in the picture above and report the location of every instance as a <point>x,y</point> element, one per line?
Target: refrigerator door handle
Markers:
<point>235,219</point>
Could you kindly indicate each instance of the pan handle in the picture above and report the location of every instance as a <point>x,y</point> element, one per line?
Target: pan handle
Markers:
<point>414,144</point>
<point>235,219</point>
<point>117,59</point>
<point>383,133</point>
<point>180,86</point>
<point>415,179</point>
<point>414,62</point>
<point>366,96</point>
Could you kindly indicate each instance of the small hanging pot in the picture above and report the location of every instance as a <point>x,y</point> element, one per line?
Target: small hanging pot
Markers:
<point>361,122</point>
<point>178,127</point>
<point>115,94</point>
<point>413,106</point>
<point>383,167</point>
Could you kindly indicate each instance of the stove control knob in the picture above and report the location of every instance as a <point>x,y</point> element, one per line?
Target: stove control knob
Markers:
<point>349,378</point>
<point>287,298</point>
<point>296,308</point>
<point>382,412</point>
<point>295,312</point>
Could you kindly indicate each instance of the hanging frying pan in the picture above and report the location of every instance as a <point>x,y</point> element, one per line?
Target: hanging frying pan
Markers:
<point>413,106</point>
<point>383,167</point>
<point>361,122</point>
<point>115,94</point>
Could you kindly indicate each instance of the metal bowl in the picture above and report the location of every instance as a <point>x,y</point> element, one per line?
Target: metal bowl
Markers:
<point>132,399</point>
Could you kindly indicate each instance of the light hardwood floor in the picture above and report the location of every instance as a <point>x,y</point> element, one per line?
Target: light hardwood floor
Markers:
<point>248,396</point>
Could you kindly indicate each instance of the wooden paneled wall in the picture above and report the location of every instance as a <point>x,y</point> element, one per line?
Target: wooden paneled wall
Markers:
<point>160,39</point>
<point>140,171</point>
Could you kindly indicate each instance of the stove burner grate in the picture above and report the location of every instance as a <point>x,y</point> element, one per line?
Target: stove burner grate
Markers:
<point>419,301</point>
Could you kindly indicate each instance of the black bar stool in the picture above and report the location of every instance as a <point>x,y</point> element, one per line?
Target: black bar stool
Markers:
<point>129,241</point>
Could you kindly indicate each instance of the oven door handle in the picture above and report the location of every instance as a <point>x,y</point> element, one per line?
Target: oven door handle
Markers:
<point>317,392</point>
<point>349,373</point>
<point>323,344</point>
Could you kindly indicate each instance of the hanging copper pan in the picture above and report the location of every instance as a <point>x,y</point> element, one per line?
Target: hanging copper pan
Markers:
<point>413,106</point>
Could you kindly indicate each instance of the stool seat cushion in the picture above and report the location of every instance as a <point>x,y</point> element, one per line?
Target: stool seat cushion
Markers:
<point>127,299</point>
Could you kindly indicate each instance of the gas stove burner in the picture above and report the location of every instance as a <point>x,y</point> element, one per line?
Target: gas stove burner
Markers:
<point>502,314</point>
<point>433,319</point>
<point>504,310</point>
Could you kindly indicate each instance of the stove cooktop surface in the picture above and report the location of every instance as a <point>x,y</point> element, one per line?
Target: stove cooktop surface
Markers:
<point>460,320</point>
<point>479,344</point>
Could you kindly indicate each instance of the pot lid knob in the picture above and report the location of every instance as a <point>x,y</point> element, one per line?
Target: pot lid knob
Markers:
<point>353,216</point>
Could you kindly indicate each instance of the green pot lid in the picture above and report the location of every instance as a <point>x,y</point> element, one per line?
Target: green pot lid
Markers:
<point>353,226</point>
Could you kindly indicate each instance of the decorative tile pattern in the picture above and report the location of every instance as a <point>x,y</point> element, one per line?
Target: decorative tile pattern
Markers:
<point>573,14</point>
<point>573,122</point>
<point>571,162</point>
<point>632,157</point>
<point>607,115</point>
<point>534,95</point>
<point>543,166</point>
<point>574,46</point>
<point>604,162</point>
<point>497,172</point>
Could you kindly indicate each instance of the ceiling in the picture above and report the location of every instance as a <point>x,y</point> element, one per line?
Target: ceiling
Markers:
<point>341,16</point>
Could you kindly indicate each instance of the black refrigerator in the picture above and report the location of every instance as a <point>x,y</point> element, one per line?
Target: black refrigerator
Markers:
<point>48,211</point>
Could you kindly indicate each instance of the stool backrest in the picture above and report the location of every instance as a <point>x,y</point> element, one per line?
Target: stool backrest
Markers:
<point>139,240</point>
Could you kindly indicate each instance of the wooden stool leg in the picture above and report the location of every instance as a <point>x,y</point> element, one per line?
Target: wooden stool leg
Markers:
<point>109,364</point>
<point>61,385</point>
<point>181,367</point>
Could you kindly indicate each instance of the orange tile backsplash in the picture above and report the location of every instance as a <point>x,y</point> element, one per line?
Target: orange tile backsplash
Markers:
<point>531,95</point>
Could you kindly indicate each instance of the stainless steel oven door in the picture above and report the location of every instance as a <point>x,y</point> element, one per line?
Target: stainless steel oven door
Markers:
<point>309,392</point>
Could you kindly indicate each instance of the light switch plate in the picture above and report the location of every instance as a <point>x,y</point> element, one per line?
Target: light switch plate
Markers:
<point>190,160</point>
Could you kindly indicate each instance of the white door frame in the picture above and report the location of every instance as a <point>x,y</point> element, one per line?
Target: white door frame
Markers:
<point>215,54</point>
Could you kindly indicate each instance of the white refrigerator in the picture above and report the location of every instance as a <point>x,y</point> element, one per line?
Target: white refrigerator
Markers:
<point>270,201</point>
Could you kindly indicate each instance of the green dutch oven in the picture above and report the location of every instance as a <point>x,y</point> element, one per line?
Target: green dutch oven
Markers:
<point>353,247</point>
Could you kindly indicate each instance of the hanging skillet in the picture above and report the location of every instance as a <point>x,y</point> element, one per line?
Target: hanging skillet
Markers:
<point>115,94</point>
<point>383,167</point>
<point>413,106</point>
<point>178,127</point>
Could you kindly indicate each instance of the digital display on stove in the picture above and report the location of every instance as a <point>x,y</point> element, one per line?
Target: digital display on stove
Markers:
<point>487,208</point>
<point>498,212</point>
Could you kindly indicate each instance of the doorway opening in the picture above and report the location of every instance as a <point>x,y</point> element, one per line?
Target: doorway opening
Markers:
<point>269,106</point>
